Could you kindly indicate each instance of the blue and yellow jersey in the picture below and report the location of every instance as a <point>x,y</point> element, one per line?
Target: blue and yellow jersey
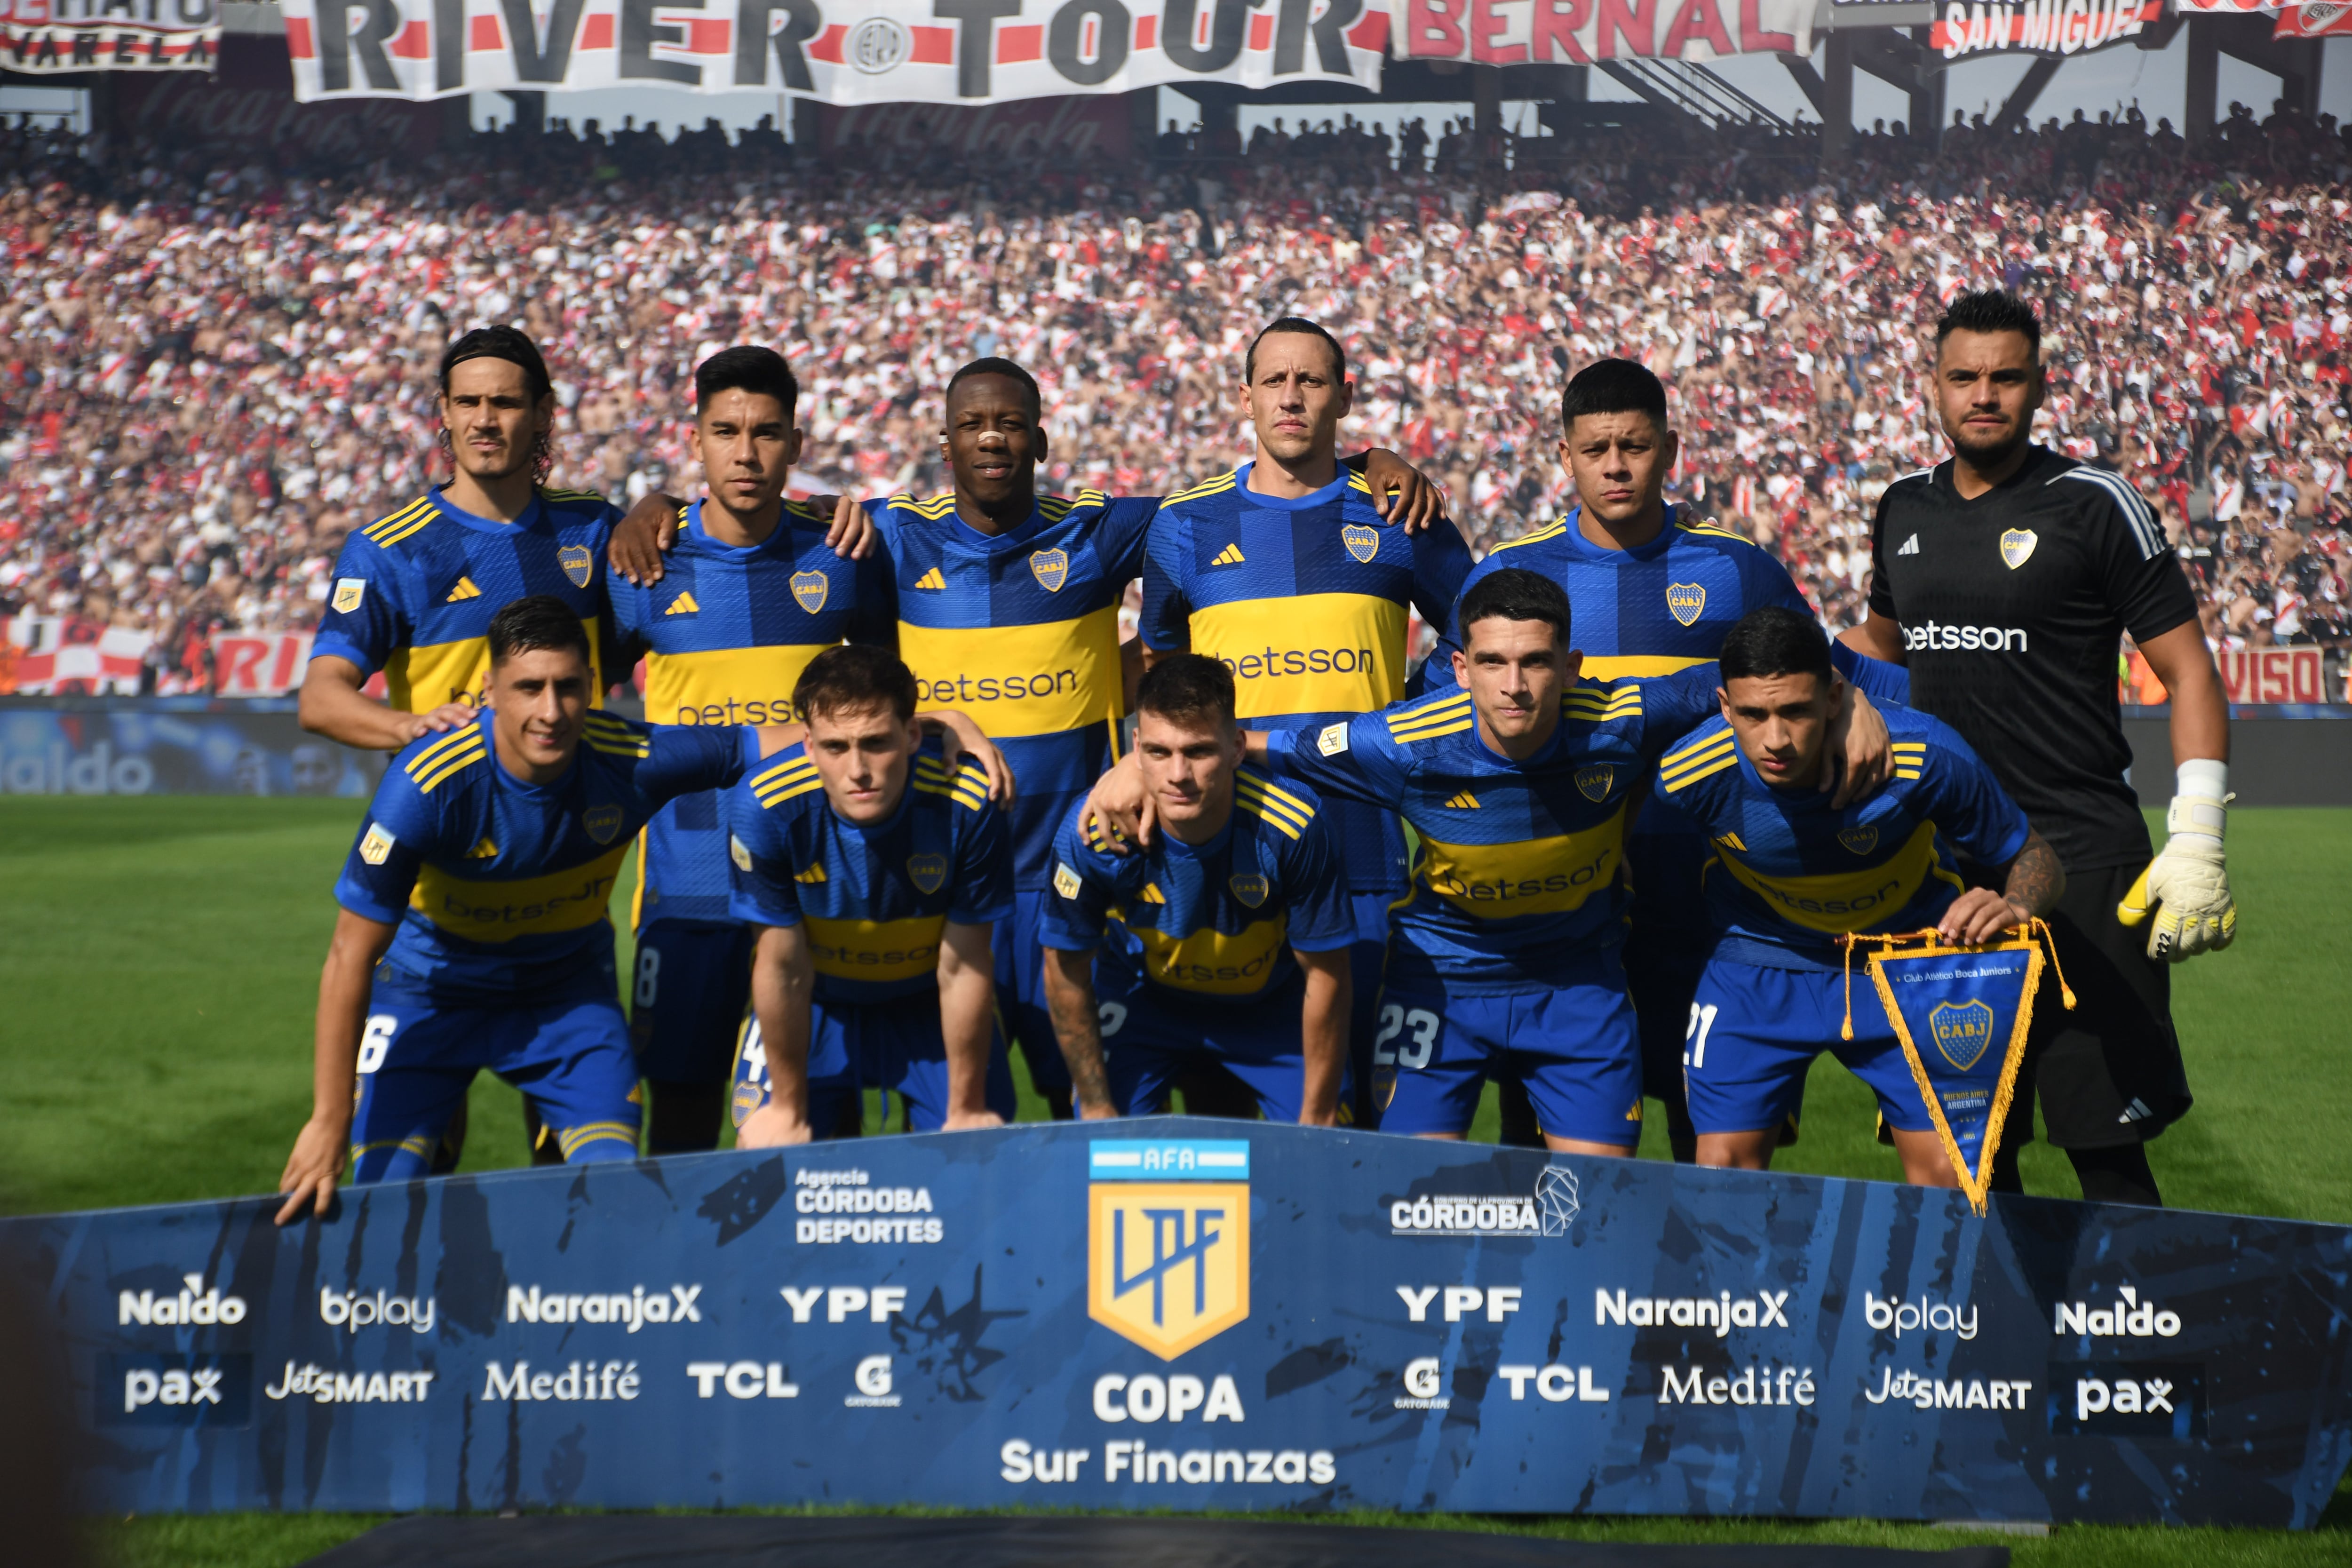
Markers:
<point>726,634</point>
<point>1518,870</point>
<point>413,592</point>
<point>1789,875</point>
<point>1216,921</point>
<point>876,900</point>
<point>501,887</point>
<point>1306,601</point>
<point>1021,632</point>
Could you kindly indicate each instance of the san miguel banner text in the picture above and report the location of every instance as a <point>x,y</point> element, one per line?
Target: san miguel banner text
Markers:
<point>1576,32</point>
<point>2039,26</point>
<point>1186,1314</point>
<point>41,36</point>
<point>870,51</point>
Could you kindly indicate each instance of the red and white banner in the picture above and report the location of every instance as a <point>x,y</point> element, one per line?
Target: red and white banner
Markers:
<point>43,35</point>
<point>2040,26</point>
<point>2331,20</point>
<point>1067,131</point>
<point>1576,32</point>
<point>258,664</point>
<point>836,51</point>
<point>55,656</point>
<point>2272,675</point>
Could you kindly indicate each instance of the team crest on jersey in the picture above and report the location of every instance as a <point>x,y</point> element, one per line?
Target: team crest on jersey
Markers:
<point>1686,601</point>
<point>348,592</point>
<point>929,872</point>
<point>1595,783</point>
<point>1362,542</point>
<point>2016,547</point>
<point>1052,568</point>
<point>1168,1240</point>
<point>1249,890</point>
<point>603,823</point>
<point>809,590</point>
<point>1861,840</point>
<point>577,562</point>
<point>1962,1031</point>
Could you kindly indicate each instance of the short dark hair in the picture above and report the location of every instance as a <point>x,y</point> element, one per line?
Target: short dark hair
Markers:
<point>855,676</point>
<point>1612,387</point>
<point>1992,311</point>
<point>995,364</point>
<point>1187,687</point>
<point>1773,639</point>
<point>1514,594</point>
<point>1304,328</point>
<point>747,367</point>
<point>500,341</point>
<point>534,623</point>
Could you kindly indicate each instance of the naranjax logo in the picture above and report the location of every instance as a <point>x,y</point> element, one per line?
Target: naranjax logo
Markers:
<point>636,1308</point>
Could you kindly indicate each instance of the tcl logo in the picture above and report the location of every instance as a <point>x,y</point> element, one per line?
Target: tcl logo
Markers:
<point>1936,636</point>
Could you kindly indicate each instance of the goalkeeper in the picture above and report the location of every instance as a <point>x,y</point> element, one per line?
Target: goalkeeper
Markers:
<point>2004,578</point>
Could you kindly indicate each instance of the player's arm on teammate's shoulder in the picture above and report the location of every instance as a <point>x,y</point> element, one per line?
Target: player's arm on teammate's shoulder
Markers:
<point>2188,883</point>
<point>1880,636</point>
<point>967,1023</point>
<point>961,737</point>
<point>2032,885</point>
<point>323,1147</point>
<point>1858,734</point>
<point>783,991</point>
<point>650,530</point>
<point>1400,492</point>
<point>331,704</point>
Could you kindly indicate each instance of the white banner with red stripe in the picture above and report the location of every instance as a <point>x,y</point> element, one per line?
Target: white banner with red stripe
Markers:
<point>2040,26</point>
<point>46,656</point>
<point>2330,20</point>
<point>836,51</point>
<point>1576,32</point>
<point>44,35</point>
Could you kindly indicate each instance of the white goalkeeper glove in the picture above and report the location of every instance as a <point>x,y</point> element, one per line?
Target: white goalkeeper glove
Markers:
<point>2188,884</point>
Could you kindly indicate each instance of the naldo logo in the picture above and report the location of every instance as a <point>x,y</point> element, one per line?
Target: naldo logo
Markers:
<point>1168,1239</point>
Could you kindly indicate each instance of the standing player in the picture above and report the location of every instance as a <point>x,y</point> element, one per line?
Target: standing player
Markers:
<point>753,592</point>
<point>1798,875</point>
<point>874,872</point>
<point>1654,592</point>
<point>2004,579</point>
<point>474,931</point>
<point>1283,571</point>
<point>1227,941</point>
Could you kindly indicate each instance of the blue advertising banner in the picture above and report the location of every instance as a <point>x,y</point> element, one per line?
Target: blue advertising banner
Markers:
<point>1188,1314</point>
<point>171,745</point>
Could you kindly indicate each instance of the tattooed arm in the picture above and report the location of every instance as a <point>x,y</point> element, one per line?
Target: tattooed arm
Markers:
<point>2034,882</point>
<point>1070,997</point>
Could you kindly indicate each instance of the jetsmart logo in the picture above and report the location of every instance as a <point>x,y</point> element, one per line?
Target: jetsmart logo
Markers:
<point>1723,1314</point>
<point>327,1386</point>
<point>636,1308</point>
<point>196,1303</point>
<point>1949,1394</point>
<point>1935,635</point>
<point>2128,1317</point>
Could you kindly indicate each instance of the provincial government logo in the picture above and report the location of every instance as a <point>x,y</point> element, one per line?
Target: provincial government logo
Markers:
<point>929,872</point>
<point>1686,601</point>
<point>2017,546</point>
<point>1052,568</point>
<point>1594,782</point>
<point>1168,1239</point>
<point>1962,1031</point>
<point>1860,841</point>
<point>603,823</point>
<point>809,590</point>
<point>1362,542</point>
<point>577,562</point>
<point>1249,890</point>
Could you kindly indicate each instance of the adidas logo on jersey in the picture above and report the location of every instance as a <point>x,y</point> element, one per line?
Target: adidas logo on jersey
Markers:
<point>682,604</point>
<point>1231,555</point>
<point>812,876</point>
<point>932,580</point>
<point>1910,546</point>
<point>485,850</point>
<point>464,590</point>
<point>1466,801</point>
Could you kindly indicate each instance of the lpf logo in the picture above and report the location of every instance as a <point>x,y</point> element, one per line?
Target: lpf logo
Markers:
<point>1168,1239</point>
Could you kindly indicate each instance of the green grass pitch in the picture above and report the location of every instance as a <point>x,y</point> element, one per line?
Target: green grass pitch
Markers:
<point>160,962</point>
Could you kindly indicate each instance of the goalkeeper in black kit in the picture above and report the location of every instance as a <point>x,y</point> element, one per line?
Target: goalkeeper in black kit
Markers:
<point>2005,580</point>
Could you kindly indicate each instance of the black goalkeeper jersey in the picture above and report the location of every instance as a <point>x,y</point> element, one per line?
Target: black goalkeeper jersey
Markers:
<point>2012,605</point>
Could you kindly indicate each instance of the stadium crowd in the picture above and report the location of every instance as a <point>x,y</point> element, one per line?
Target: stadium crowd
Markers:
<point>212,368</point>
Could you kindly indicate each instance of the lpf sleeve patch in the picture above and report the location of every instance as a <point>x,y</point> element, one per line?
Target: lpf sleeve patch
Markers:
<point>738,853</point>
<point>376,848</point>
<point>1333,739</point>
<point>1065,880</point>
<point>348,592</point>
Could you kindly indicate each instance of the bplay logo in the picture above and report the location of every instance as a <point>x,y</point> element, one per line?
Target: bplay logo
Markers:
<point>1168,1253</point>
<point>2127,1317</point>
<point>195,1303</point>
<point>352,1311</point>
<point>1898,1317</point>
<point>174,1390</point>
<point>325,1385</point>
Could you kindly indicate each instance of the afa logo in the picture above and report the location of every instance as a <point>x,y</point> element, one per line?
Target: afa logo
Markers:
<point>809,590</point>
<point>1962,1031</point>
<point>1686,601</point>
<point>1168,1239</point>
<point>1362,542</point>
<point>577,562</point>
<point>1595,783</point>
<point>1249,890</point>
<point>1860,841</point>
<point>603,823</point>
<point>1051,568</point>
<point>927,872</point>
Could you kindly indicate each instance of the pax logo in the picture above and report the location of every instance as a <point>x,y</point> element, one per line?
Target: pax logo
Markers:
<point>2128,1399</point>
<point>1168,1240</point>
<point>174,1390</point>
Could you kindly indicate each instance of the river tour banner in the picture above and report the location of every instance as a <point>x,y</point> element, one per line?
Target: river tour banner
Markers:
<point>1191,1314</point>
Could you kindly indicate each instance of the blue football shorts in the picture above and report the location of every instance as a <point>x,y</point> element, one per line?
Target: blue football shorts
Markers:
<point>894,1045</point>
<point>693,981</point>
<point>1575,1046</point>
<point>571,1060</point>
<point>1021,1008</point>
<point>1149,1039</point>
<point>1754,1032</point>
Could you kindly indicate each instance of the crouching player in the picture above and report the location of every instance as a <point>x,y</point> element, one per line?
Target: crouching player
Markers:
<point>874,872</point>
<point>1794,877</point>
<point>474,930</point>
<point>1226,940</point>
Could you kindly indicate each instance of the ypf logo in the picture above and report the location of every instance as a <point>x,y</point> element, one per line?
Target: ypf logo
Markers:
<point>1168,1239</point>
<point>877,45</point>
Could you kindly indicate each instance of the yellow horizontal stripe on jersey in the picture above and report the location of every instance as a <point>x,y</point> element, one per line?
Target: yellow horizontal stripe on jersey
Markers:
<point>412,522</point>
<point>619,748</point>
<point>494,911</point>
<point>1689,757</point>
<point>1714,764</point>
<point>1433,732</point>
<point>424,760</point>
<point>572,1139</point>
<point>1256,784</point>
<point>1907,772</point>
<point>394,523</point>
<point>726,685</point>
<point>1844,902</point>
<point>1217,486</point>
<point>1549,530</point>
<point>1019,680</point>
<point>1629,666</point>
<point>1311,653</point>
<point>1716,530</point>
<point>1446,711</point>
<point>796,767</point>
<point>1526,877</point>
<point>419,679</point>
<point>1288,826</point>
<point>1214,962</point>
<point>875,950</point>
<point>452,763</point>
<point>1272,807</point>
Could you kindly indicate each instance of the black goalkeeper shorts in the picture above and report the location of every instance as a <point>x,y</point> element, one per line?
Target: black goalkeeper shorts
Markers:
<point>2109,1072</point>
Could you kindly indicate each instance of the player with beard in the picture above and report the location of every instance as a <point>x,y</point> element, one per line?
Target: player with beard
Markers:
<point>2005,577</point>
